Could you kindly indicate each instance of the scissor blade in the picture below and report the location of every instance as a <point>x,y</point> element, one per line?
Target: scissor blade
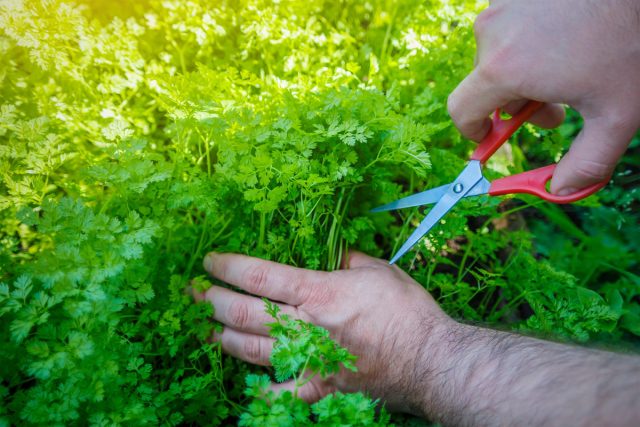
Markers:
<point>424,198</point>
<point>430,197</point>
<point>466,181</point>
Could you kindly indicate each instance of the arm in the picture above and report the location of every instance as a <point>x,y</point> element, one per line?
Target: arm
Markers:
<point>486,377</point>
<point>583,53</point>
<point>416,358</point>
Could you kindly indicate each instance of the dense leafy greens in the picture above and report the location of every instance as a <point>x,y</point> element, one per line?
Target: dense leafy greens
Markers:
<point>136,136</point>
<point>303,351</point>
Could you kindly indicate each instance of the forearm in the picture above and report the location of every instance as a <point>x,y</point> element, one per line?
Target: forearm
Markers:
<point>474,376</point>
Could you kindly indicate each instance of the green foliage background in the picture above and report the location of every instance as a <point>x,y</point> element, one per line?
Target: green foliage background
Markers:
<point>137,136</point>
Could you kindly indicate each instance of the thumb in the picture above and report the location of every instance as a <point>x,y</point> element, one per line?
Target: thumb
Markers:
<point>356,259</point>
<point>592,157</point>
<point>310,392</point>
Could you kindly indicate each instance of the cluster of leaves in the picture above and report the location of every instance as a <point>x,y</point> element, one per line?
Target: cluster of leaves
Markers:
<point>136,136</point>
<point>303,347</point>
<point>303,351</point>
<point>602,254</point>
<point>284,409</point>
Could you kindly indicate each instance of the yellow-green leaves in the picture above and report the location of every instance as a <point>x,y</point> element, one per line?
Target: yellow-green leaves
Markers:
<point>135,137</point>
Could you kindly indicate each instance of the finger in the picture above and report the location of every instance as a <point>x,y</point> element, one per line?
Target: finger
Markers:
<point>549,116</point>
<point>310,392</point>
<point>255,349</point>
<point>471,103</point>
<point>592,157</point>
<point>265,278</point>
<point>355,259</point>
<point>197,295</point>
<point>513,107</point>
<point>242,312</point>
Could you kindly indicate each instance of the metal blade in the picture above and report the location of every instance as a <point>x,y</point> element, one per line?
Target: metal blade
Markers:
<point>429,197</point>
<point>424,198</point>
<point>466,181</point>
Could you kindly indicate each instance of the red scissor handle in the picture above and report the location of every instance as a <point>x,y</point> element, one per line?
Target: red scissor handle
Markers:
<point>535,182</point>
<point>531,182</point>
<point>501,130</point>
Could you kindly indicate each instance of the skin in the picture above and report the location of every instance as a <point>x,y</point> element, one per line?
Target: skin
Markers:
<point>584,53</point>
<point>414,357</point>
<point>327,300</point>
<point>411,355</point>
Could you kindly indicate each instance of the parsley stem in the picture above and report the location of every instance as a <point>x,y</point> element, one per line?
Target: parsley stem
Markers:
<point>263,230</point>
<point>304,381</point>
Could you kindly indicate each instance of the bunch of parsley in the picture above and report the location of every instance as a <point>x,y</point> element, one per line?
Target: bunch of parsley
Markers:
<point>135,137</point>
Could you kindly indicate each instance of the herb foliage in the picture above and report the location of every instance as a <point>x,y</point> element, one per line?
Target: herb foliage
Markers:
<point>137,136</point>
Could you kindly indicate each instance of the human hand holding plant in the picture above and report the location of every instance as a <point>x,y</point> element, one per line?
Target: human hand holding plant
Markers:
<point>377,311</point>
<point>412,356</point>
<point>582,53</point>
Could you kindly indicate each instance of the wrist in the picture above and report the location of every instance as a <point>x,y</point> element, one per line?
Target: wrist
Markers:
<point>478,376</point>
<point>453,367</point>
<point>433,368</point>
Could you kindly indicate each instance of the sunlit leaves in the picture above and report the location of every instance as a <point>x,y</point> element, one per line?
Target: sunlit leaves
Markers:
<point>137,136</point>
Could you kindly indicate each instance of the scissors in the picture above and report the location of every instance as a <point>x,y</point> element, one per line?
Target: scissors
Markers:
<point>471,182</point>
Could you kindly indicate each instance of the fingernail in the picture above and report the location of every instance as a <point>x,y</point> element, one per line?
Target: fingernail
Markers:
<point>215,337</point>
<point>196,295</point>
<point>566,191</point>
<point>208,261</point>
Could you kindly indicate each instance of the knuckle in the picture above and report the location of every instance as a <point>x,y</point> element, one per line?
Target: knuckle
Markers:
<point>592,170</point>
<point>314,293</point>
<point>454,107</point>
<point>622,123</point>
<point>461,118</point>
<point>256,279</point>
<point>254,350</point>
<point>490,69</point>
<point>504,68</point>
<point>239,314</point>
<point>482,21</point>
<point>221,268</point>
<point>487,19</point>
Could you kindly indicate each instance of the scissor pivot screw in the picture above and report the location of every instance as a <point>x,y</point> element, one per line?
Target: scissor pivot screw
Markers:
<point>458,188</point>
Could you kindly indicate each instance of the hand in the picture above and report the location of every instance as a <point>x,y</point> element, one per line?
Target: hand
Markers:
<point>582,53</point>
<point>413,356</point>
<point>375,310</point>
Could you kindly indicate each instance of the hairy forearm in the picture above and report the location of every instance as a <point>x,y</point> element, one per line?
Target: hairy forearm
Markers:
<point>474,376</point>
